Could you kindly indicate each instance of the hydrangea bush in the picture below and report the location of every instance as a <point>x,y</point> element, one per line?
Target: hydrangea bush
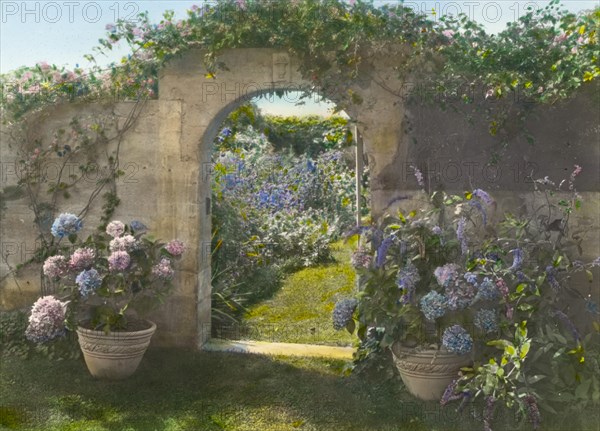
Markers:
<point>466,279</point>
<point>107,279</point>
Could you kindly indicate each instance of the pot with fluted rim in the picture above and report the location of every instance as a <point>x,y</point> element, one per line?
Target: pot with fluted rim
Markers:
<point>116,355</point>
<point>426,372</point>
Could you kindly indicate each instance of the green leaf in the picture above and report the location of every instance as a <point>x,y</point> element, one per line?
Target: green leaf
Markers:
<point>524,349</point>
<point>536,378</point>
<point>521,287</point>
<point>583,389</point>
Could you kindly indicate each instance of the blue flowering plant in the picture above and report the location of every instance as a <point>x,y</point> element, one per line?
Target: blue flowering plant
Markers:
<point>514,291</point>
<point>416,285</point>
<point>107,281</point>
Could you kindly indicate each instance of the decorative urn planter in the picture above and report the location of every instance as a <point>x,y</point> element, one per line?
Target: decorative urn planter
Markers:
<point>114,356</point>
<point>427,372</point>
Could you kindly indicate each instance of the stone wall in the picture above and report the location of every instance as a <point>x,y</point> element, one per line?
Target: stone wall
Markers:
<point>166,157</point>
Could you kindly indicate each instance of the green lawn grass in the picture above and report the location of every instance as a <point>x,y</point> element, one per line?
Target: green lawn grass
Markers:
<point>179,390</point>
<point>300,311</point>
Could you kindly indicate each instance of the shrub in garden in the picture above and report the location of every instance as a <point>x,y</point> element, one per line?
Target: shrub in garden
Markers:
<point>453,276</point>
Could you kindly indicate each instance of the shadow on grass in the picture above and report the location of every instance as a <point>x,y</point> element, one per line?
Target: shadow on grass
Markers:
<point>184,390</point>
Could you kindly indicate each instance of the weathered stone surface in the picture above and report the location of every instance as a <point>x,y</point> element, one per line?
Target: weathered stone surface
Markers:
<point>166,157</point>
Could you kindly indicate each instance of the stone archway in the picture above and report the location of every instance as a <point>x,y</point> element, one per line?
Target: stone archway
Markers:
<point>192,106</point>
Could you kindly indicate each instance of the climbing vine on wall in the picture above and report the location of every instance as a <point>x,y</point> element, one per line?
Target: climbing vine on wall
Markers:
<point>544,56</point>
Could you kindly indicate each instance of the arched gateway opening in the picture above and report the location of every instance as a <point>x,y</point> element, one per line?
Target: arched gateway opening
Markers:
<point>193,105</point>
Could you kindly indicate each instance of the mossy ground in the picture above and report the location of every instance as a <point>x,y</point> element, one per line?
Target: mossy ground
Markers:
<point>300,311</point>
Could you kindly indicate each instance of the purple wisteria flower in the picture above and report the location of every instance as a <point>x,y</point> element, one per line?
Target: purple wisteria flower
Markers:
<point>47,320</point>
<point>118,261</point>
<point>361,258</point>
<point>382,251</point>
<point>82,258</point>
<point>568,323</point>
<point>163,269</point>
<point>407,280</point>
<point>418,175</point>
<point>66,224</point>
<point>486,320</point>
<point>488,412</point>
<point>457,340</point>
<point>88,281</point>
<point>175,247</point>
<point>450,393</point>
<point>342,312</point>
<point>533,413</point>
<point>55,266</point>
<point>551,277</point>
<point>478,205</point>
<point>517,259</point>
<point>484,196</point>
<point>433,305</point>
<point>436,230</point>
<point>115,228</point>
<point>446,274</point>
<point>461,235</point>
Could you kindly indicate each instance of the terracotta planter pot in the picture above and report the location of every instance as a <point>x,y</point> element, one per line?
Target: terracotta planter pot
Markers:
<point>114,356</point>
<point>427,373</point>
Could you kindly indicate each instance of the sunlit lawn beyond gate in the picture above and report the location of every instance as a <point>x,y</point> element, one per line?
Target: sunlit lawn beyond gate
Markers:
<point>300,312</point>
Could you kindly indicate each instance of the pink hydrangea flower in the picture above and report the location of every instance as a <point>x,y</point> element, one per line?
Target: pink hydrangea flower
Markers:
<point>47,319</point>
<point>115,228</point>
<point>118,261</point>
<point>124,243</point>
<point>55,266</point>
<point>82,258</point>
<point>175,247</point>
<point>163,269</point>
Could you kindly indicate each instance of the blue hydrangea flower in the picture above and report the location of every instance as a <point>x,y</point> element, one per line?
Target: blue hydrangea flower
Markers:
<point>342,312</point>
<point>486,320</point>
<point>487,290</point>
<point>138,226</point>
<point>457,340</point>
<point>408,277</point>
<point>88,281</point>
<point>433,305</point>
<point>66,224</point>
<point>471,278</point>
<point>460,295</point>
